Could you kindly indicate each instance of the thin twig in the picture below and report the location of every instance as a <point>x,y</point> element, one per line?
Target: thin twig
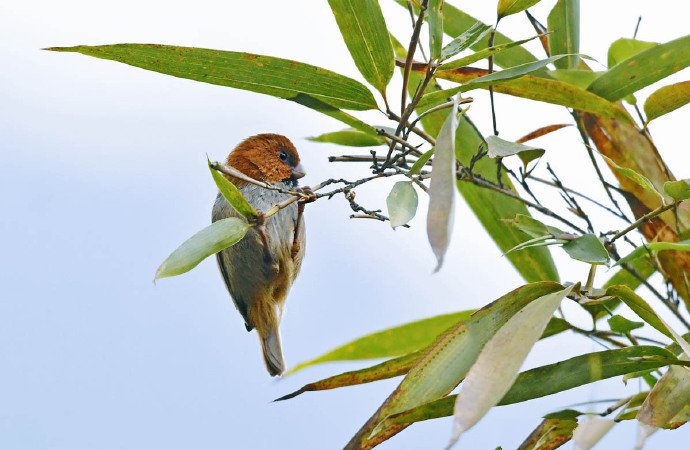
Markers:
<point>641,220</point>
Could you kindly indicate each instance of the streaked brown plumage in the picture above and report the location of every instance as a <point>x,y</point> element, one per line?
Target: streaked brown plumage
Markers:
<point>259,277</point>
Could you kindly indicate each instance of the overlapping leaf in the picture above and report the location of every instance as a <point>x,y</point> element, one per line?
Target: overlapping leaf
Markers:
<point>667,99</point>
<point>564,24</point>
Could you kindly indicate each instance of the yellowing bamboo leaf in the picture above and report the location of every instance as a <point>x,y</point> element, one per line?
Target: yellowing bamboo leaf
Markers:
<point>350,137</point>
<point>499,362</point>
<point>508,7</point>
<point>667,99</point>
<point>668,397</point>
<point>442,189</point>
<point>232,194</point>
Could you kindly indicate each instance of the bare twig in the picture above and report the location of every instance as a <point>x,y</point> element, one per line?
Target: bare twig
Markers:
<point>641,220</point>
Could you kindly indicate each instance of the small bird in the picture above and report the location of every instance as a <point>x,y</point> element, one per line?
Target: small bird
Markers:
<point>260,269</point>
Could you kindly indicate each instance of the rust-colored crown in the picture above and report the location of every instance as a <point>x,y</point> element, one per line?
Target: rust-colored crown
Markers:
<point>258,157</point>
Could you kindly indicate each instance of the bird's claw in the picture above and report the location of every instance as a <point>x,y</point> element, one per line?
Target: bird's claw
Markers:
<point>306,194</point>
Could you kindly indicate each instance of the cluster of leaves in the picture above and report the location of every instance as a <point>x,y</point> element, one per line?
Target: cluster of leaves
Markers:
<point>485,349</point>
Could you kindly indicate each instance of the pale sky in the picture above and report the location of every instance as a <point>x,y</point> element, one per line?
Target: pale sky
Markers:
<point>104,174</point>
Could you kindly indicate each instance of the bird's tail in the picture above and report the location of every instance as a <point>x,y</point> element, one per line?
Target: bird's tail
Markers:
<point>273,354</point>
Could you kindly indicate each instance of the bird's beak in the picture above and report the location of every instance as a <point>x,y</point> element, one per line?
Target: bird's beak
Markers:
<point>298,171</point>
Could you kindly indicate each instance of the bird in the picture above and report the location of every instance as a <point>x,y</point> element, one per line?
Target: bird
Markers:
<point>260,269</point>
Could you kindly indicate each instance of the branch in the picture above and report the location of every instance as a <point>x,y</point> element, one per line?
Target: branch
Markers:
<point>641,220</point>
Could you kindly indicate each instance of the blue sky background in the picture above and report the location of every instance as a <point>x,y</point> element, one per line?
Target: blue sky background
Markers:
<point>103,174</point>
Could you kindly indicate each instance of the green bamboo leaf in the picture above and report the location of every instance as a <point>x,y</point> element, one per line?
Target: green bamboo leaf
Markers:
<point>513,72</point>
<point>643,69</point>
<point>448,360</point>
<point>467,39</point>
<point>639,179</point>
<point>531,226</point>
<point>587,248</point>
<point>579,78</point>
<point>652,247</point>
<point>509,7</point>
<point>647,313</point>
<point>350,137</point>
<point>550,434</point>
<point>550,379</point>
<point>667,99</point>
<point>456,22</point>
<point>498,364</point>
<point>364,30</point>
<point>620,324</point>
<point>439,219</point>
<point>481,54</point>
<point>500,148</point>
<point>625,48</point>
<point>402,203</point>
<point>564,24</point>
<point>395,341</point>
<point>257,73</point>
<point>212,239</point>
<point>232,194</point>
<point>435,20</point>
<point>421,162</point>
<point>678,190</point>
<point>540,89</point>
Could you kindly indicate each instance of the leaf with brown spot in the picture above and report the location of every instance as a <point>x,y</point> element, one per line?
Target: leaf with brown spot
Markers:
<point>549,434</point>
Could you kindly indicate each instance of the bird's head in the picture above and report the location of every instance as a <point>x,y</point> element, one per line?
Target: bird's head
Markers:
<point>267,157</point>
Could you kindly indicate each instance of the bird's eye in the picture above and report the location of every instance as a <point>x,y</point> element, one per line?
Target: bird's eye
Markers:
<point>283,156</point>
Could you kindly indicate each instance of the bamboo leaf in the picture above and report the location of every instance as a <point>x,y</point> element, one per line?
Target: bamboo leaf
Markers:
<point>467,39</point>
<point>350,137</point>
<point>667,99</point>
<point>539,132</point>
<point>643,69</point>
<point>257,73</point>
<point>540,89</point>
<point>653,247</point>
<point>456,22</point>
<point>330,111</point>
<point>481,54</point>
<point>387,369</point>
<point>587,248</point>
<point>435,20</point>
<point>439,222</point>
<point>550,379</point>
<point>421,162</point>
<point>500,148</point>
<point>364,30</point>
<point>232,194</point>
<point>620,324</point>
<point>564,24</point>
<point>533,227</point>
<point>579,78</point>
<point>625,48</point>
<point>402,203</point>
<point>396,366</point>
<point>550,434</point>
<point>212,239</point>
<point>668,397</point>
<point>498,364</point>
<point>591,431</point>
<point>449,359</point>
<point>678,190</point>
<point>512,72</point>
<point>639,179</point>
<point>395,341</point>
<point>509,7</point>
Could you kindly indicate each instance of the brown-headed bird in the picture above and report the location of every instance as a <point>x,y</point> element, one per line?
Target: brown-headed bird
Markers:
<point>259,270</point>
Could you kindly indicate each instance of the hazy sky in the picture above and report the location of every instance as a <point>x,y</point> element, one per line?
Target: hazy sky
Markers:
<point>103,174</point>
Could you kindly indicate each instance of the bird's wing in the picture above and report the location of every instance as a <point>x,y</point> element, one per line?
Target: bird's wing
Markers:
<point>222,210</point>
